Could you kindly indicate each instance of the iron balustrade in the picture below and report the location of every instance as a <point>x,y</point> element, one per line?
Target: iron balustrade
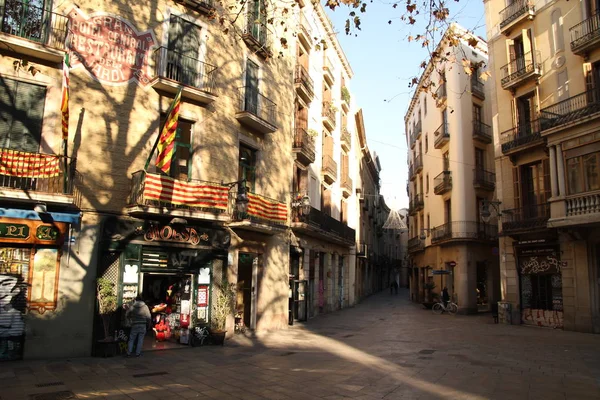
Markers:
<point>34,23</point>
<point>204,6</point>
<point>418,163</point>
<point>528,217</point>
<point>415,244</point>
<point>417,128</point>
<point>305,143</point>
<point>347,183</point>
<point>585,32</point>
<point>521,67</point>
<point>514,11</point>
<point>441,134</point>
<point>184,69</point>
<point>252,101</point>
<point>477,88</point>
<point>325,223</point>
<point>418,202</point>
<point>571,109</point>
<point>329,111</point>
<point>37,172</point>
<point>482,131</point>
<point>250,215</point>
<point>305,28</point>
<point>440,93</point>
<point>345,137</point>
<point>302,77</point>
<point>462,230</point>
<point>411,172</point>
<point>256,32</point>
<point>362,249</point>
<point>521,135</point>
<point>330,166</point>
<point>484,178</point>
<point>442,183</point>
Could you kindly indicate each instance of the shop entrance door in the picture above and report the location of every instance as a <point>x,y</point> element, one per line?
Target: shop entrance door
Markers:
<point>482,287</point>
<point>311,284</point>
<point>321,282</point>
<point>299,299</point>
<point>246,288</point>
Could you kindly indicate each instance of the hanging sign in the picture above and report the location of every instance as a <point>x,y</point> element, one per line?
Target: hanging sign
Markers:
<point>202,300</point>
<point>31,231</point>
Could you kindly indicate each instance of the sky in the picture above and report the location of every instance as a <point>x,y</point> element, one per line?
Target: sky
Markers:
<point>384,62</point>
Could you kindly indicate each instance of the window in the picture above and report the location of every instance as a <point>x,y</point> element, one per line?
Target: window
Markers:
<point>182,55</point>
<point>251,92</point>
<point>582,173</point>
<point>247,166</point>
<point>557,42</point>
<point>426,143</point>
<point>446,158</point>
<point>256,21</point>
<point>425,105</point>
<point>479,159</point>
<point>427,183</point>
<point>428,224</point>
<point>21,113</point>
<point>477,114</point>
<point>447,211</point>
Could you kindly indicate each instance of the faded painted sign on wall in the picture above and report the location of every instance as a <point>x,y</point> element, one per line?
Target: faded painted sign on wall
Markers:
<point>110,48</point>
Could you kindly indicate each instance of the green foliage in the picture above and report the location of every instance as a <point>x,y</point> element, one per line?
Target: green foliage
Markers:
<point>223,305</point>
<point>312,132</point>
<point>345,94</point>
<point>107,297</point>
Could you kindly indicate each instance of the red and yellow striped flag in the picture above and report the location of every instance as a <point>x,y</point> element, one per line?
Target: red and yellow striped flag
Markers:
<point>166,141</point>
<point>64,107</point>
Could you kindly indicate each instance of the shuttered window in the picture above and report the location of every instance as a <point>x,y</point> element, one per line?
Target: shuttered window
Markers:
<point>21,115</point>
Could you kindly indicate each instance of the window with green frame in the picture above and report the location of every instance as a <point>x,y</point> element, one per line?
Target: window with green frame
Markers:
<point>247,166</point>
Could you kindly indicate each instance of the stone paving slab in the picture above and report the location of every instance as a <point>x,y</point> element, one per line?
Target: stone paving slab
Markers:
<point>384,348</point>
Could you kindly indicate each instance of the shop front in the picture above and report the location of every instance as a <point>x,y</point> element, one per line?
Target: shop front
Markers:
<point>173,268</point>
<point>30,253</point>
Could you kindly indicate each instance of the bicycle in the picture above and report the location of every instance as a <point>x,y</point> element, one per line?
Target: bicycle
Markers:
<point>439,308</point>
<point>200,336</point>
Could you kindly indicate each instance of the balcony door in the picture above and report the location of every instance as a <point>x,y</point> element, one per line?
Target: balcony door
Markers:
<point>525,114</point>
<point>183,51</point>
<point>256,18</point>
<point>247,166</point>
<point>517,54</point>
<point>535,188</point>
<point>251,92</point>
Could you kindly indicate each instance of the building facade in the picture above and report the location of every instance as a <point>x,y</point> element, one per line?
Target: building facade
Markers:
<point>545,67</point>
<point>451,173</point>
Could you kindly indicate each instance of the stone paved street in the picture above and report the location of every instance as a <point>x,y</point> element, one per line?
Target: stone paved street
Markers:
<point>384,348</point>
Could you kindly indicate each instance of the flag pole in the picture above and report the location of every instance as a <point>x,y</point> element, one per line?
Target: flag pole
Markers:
<point>65,120</point>
<point>162,126</point>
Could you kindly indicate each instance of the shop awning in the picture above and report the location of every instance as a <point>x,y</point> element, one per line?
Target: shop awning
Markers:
<point>71,217</point>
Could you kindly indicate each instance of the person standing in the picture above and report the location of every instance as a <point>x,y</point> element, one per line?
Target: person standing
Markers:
<point>445,296</point>
<point>140,318</point>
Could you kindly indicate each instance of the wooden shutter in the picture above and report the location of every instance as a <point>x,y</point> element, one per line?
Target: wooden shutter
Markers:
<point>21,113</point>
<point>516,187</point>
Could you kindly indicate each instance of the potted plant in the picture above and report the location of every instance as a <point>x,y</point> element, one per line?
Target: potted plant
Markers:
<point>222,308</point>
<point>429,286</point>
<point>312,132</point>
<point>345,94</point>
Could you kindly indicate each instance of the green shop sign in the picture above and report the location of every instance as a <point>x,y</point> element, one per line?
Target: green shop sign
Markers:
<point>14,231</point>
<point>45,232</point>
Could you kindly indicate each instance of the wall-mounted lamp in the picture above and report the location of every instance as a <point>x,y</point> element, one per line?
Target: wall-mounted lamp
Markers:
<point>40,208</point>
<point>485,212</point>
<point>422,236</point>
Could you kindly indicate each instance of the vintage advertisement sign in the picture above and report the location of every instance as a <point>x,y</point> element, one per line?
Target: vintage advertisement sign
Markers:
<point>110,48</point>
<point>31,231</point>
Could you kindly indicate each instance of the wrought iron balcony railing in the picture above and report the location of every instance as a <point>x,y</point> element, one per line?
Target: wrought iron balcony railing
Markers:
<point>411,172</point>
<point>477,88</point>
<point>442,183</point>
<point>252,101</point>
<point>415,244</point>
<point>328,113</point>
<point>516,10</point>
<point>521,136</point>
<point>440,93</point>
<point>569,110</point>
<point>261,210</point>
<point>304,145</point>
<point>330,167</point>
<point>202,6</point>
<point>418,202</point>
<point>303,78</point>
<point>346,184</point>
<point>417,128</point>
<point>527,218</point>
<point>585,33</point>
<point>521,68</point>
<point>464,230</point>
<point>482,132</point>
<point>442,135</point>
<point>418,163</point>
<point>346,139</point>
<point>484,179</point>
<point>186,70</point>
<point>29,21</point>
<point>325,223</point>
<point>37,172</point>
<point>257,34</point>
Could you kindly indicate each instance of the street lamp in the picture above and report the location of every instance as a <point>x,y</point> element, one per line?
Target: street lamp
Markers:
<point>305,204</point>
<point>241,199</point>
<point>485,212</point>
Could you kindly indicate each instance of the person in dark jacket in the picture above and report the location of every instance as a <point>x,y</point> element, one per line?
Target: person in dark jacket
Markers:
<point>140,318</point>
<point>445,296</point>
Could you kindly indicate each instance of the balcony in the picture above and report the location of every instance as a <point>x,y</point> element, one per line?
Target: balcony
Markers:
<point>516,12</point>
<point>304,84</point>
<point>33,31</point>
<point>483,179</point>
<point>464,230</point>
<point>328,71</point>
<point>442,183</point>
<point>477,88</point>
<point>346,186</point>
<point>577,209</point>
<point>521,70</point>
<point>585,36</point>
<point>173,69</point>
<point>579,108</point>
<point>442,136</point>
<point>521,137</point>
<point>256,111</point>
<point>162,195</point>
<point>528,218</point>
<point>205,7</point>
<point>362,250</point>
<point>415,244</point>
<point>37,177</point>
<point>305,33</point>
<point>411,173</point>
<point>417,130</point>
<point>441,95</point>
<point>328,114</point>
<point>482,132</point>
<point>413,140</point>
<point>418,164</point>
<point>264,215</point>
<point>346,139</point>
<point>256,35</point>
<point>304,147</point>
<point>345,97</point>
<point>329,169</point>
<point>418,202</point>
<point>321,226</point>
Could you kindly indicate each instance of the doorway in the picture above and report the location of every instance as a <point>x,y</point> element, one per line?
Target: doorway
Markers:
<point>321,282</point>
<point>246,283</point>
<point>483,303</point>
<point>311,283</point>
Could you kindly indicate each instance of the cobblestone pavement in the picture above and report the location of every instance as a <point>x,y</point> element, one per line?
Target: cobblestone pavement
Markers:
<point>384,348</point>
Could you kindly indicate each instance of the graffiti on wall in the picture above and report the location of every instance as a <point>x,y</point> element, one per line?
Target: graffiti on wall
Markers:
<point>14,266</point>
<point>540,264</point>
<point>547,318</point>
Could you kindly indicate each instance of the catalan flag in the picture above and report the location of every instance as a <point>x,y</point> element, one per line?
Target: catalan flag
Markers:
<point>64,107</point>
<point>166,140</point>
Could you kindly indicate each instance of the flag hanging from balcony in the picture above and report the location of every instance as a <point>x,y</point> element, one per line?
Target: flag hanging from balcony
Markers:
<point>64,107</point>
<point>166,139</point>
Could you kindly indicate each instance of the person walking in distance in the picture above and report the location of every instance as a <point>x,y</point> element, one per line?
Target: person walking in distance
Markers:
<point>140,318</point>
<point>445,296</point>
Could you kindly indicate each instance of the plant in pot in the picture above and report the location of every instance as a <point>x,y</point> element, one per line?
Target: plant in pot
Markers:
<point>222,308</point>
<point>345,94</point>
<point>107,304</point>
<point>429,286</point>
